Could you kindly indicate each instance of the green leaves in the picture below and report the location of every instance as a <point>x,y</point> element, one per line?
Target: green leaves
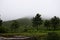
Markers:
<point>15,24</point>
<point>0,22</point>
<point>55,22</point>
<point>47,24</point>
<point>52,36</point>
<point>37,20</point>
<point>3,29</point>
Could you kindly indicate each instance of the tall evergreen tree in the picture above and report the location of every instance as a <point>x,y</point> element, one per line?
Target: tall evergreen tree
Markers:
<point>37,21</point>
<point>55,22</point>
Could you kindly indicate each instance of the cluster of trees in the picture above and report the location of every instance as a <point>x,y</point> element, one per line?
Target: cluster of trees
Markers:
<point>52,23</point>
<point>37,21</point>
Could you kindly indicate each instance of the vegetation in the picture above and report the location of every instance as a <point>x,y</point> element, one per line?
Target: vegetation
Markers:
<point>52,36</point>
<point>37,27</point>
<point>55,22</point>
<point>37,21</point>
<point>0,22</point>
<point>47,24</point>
<point>14,25</point>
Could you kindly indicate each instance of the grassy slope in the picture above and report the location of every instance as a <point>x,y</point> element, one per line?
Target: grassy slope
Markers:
<point>22,21</point>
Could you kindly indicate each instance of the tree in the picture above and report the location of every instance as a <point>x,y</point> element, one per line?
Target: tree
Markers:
<point>14,25</point>
<point>0,22</point>
<point>2,29</point>
<point>47,24</point>
<point>37,21</point>
<point>55,22</point>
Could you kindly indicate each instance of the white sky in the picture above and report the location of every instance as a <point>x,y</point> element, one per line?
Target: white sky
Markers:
<point>13,9</point>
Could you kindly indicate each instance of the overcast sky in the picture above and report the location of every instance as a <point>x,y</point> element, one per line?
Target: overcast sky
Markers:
<point>14,9</point>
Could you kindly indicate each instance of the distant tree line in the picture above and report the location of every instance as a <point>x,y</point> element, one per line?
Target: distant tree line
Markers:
<point>37,21</point>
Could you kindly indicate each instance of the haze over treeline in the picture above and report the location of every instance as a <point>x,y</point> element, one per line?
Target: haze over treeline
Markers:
<point>14,9</point>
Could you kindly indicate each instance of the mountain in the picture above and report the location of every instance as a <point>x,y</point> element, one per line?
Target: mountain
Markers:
<point>21,22</point>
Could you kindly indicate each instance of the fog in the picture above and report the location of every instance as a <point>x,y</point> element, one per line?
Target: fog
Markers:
<point>14,9</point>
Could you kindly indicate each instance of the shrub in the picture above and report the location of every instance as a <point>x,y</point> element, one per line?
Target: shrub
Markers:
<point>52,36</point>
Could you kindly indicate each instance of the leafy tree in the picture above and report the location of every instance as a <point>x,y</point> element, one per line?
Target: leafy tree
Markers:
<point>55,22</point>
<point>37,21</point>
<point>52,36</point>
<point>2,29</point>
<point>0,22</point>
<point>14,25</point>
<point>47,24</point>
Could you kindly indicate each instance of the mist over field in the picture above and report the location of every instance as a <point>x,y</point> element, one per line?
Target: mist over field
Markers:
<point>14,9</point>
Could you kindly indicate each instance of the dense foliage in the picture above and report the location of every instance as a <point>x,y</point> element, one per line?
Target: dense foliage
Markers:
<point>52,36</point>
<point>55,22</point>
<point>47,24</point>
<point>37,21</point>
<point>28,27</point>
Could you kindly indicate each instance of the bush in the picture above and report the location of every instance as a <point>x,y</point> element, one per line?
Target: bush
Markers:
<point>52,36</point>
<point>3,30</point>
